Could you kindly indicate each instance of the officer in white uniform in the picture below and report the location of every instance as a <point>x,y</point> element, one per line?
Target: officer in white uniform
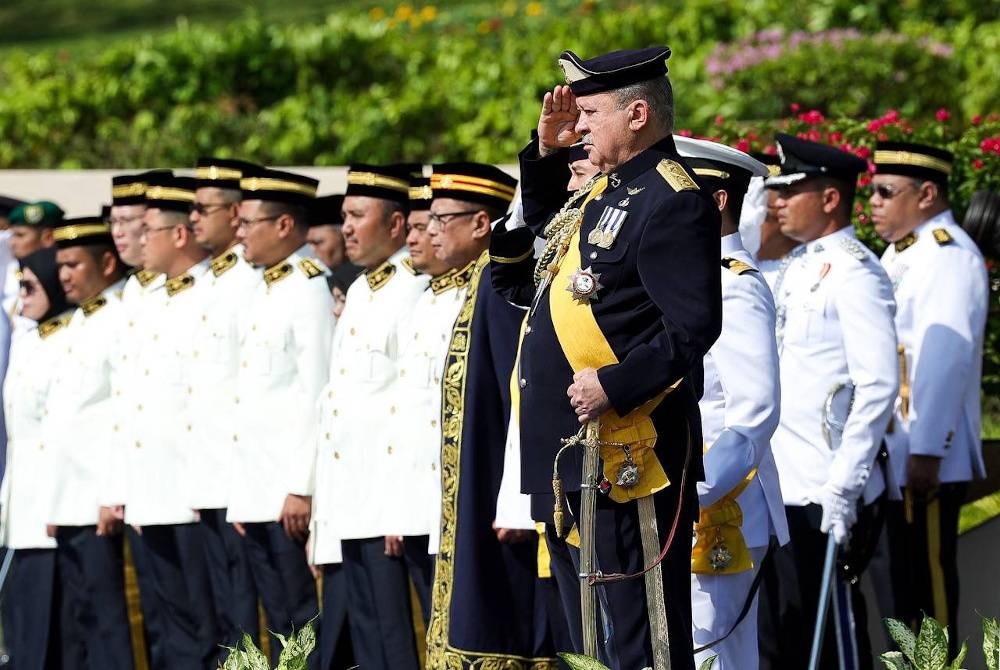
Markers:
<point>84,504</point>
<point>741,505</point>
<point>834,329</point>
<point>223,295</point>
<point>423,346</point>
<point>285,340</point>
<point>942,294</point>
<point>29,610</point>
<point>363,471</point>
<point>157,501</point>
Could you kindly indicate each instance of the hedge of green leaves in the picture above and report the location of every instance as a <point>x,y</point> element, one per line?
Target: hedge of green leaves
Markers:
<point>412,82</point>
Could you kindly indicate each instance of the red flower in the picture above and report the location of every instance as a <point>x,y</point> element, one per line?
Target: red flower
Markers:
<point>744,146</point>
<point>882,137</point>
<point>977,164</point>
<point>719,120</point>
<point>684,132</point>
<point>863,152</point>
<point>977,119</point>
<point>864,180</point>
<point>835,138</point>
<point>891,116</point>
<point>942,115</point>
<point>812,117</point>
<point>794,107</point>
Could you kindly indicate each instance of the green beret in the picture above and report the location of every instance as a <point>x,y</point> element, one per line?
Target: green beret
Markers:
<point>41,214</point>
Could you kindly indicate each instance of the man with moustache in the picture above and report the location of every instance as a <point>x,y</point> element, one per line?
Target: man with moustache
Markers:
<point>223,294</point>
<point>942,293</point>
<point>85,505</point>
<point>284,333</point>
<point>625,304</point>
<point>158,503</point>
<point>363,468</point>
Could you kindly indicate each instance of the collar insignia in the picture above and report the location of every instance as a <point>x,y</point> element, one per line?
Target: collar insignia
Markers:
<point>905,242</point>
<point>92,306</point>
<point>178,284</point>
<point>311,268</point>
<point>443,282</point>
<point>52,325</point>
<point>146,277</point>
<point>942,237</point>
<point>737,266</point>
<point>464,276</point>
<point>408,264</point>
<point>277,272</point>
<point>222,264</point>
<point>380,276</point>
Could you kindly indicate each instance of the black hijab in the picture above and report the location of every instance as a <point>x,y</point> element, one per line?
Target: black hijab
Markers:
<point>43,264</point>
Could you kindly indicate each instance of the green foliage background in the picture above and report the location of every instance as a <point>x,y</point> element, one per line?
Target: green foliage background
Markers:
<point>307,83</point>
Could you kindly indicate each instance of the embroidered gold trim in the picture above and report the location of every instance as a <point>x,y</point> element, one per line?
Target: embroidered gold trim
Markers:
<point>440,654</point>
<point>75,232</point>
<point>223,263</point>
<point>905,242</point>
<point>941,236</point>
<point>311,268</point>
<point>737,266</point>
<point>380,276</point>
<point>459,182</point>
<point>92,306</point>
<point>178,284</point>
<point>506,260</point>
<point>464,276</point>
<point>674,174</point>
<point>270,184</point>
<point>53,325</point>
<point>887,157</point>
<point>169,193</point>
<point>128,190</point>
<point>372,179</point>
<point>276,273</point>
<point>408,264</point>
<point>214,172</point>
<point>443,282</point>
<point>709,172</point>
<point>146,277</point>
<point>424,192</point>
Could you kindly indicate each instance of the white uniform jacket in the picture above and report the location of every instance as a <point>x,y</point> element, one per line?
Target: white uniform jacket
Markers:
<point>834,325</point>
<point>942,296</point>
<point>26,480</point>
<point>223,295</point>
<point>157,459</point>
<point>80,422</point>
<point>285,337</point>
<point>365,467</point>
<point>740,406</point>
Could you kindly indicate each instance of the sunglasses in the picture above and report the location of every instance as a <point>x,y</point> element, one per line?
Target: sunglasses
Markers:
<point>888,191</point>
<point>27,287</point>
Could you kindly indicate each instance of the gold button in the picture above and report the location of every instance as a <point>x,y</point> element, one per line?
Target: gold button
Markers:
<point>204,317</point>
<point>244,363</point>
<point>41,446</point>
<point>140,408</point>
<point>336,455</point>
<point>434,467</point>
<point>189,427</point>
<point>236,438</point>
<point>522,383</point>
<point>389,449</point>
<point>138,444</point>
<point>237,400</point>
<point>190,390</point>
<point>352,331</point>
<point>147,372</point>
<point>195,353</point>
<point>402,373</point>
<point>327,436</point>
<point>392,410</point>
<point>437,380</point>
<point>329,394</point>
<point>343,371</point>
<point>156,336</point>
<point>336,412</point>
<point>434,423</point>
<point>115,428</point>
<point>416,336</point>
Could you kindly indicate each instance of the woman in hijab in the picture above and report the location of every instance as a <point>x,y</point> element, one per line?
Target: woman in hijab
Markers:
<point>30,622</point>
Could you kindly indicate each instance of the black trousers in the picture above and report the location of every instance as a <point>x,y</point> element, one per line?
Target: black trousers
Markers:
<point>626,634</point>
<point>420,566</point>
<point>233,593</point>
<point>31,624</point>
<point>378,596</point>
<point>335,650</point>
<point>283,580</point>
<point>93,617</point>
<point>564,564</point>
<point>149,602</point>
<point>923,546</point>
<point>789,598</point>
<point>179,575</point>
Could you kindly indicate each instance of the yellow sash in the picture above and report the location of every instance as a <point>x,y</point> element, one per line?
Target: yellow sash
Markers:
<point>721,548</point>
<point>585,346</point>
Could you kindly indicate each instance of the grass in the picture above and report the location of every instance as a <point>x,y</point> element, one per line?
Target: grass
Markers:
<point>991,418</point>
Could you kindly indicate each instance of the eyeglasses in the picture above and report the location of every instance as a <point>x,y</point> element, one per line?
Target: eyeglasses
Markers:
<point>246,223</point>
<point>439,219</point>
<point>888,191</point>
<point>125,221</point>
<point>204,208</point>
<point>146,230</point>
<point>27,287</point>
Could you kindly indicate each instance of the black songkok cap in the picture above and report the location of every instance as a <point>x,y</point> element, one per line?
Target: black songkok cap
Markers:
<point>577,152</point>
<point>909,159</point>
<point>82,231</point>
<point>130,189</point>
<point>261,183</point>
<point>614,70</point>
<point>474,182</point>
<point>170,193</point>
<point>221,172</point>
<point>386,182</point>
<point>801,159</point>
<point>326,211</point>
<point>421,194</point>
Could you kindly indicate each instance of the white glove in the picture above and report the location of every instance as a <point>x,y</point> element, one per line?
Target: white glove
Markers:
<point>839,514</point>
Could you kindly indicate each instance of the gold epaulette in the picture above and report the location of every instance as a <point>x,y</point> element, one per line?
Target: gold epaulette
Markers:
<point>942,237</point>
<point>178,284</point>
<point>52,325</point>
<point>277,272</point>
<point>311,268</point>
<point>146,277</point>
<point>93,305</point>
<point>380,276</point>
<point>904,242</point>
<point>443,282</point>
<point>408,264</point>
<point>737,266</point>
<point>676,176</point>
<point>222,264</point>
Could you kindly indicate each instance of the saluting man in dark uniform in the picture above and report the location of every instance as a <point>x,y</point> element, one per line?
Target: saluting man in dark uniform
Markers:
<point>625,304</point>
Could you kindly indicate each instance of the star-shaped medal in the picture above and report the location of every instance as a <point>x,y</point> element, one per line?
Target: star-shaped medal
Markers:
<point>584,285</point>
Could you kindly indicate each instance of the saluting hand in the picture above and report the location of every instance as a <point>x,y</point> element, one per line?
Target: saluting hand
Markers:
<point>587,396</point>
<point>295,516</point>
<point>557,123</point>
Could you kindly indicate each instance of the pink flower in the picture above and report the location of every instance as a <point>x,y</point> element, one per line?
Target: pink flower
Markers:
<point>743,145</point>
<point>719,120</point>
<point>684,132</point>
<point>812,117</point>
<point>976,120</point>
<point>891,116</point>
<point>977,164</point>
<point>942,115</point>
<point>794,107</point>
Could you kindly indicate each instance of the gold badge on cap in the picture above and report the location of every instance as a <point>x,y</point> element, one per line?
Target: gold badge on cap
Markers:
<point>33,214</point>
<point>584,285</point>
